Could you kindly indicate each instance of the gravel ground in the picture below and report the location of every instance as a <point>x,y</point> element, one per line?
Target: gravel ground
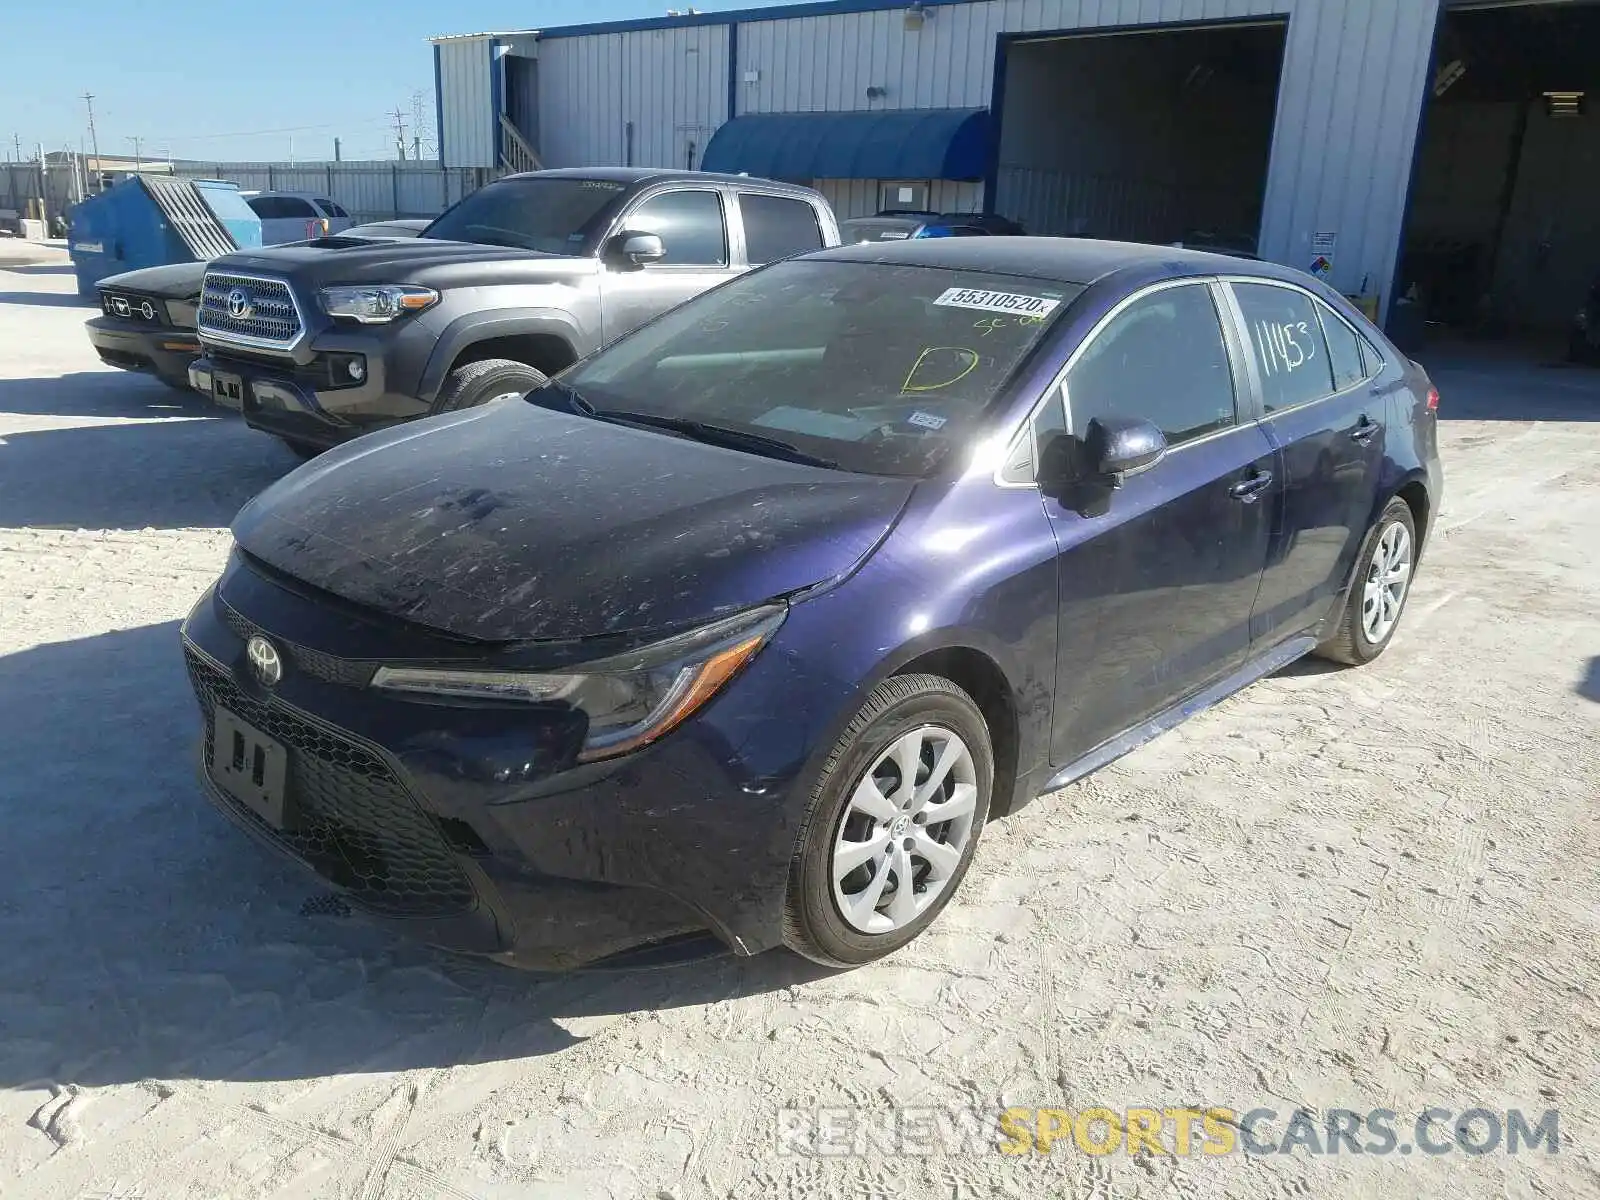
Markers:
<point>1341,889</point>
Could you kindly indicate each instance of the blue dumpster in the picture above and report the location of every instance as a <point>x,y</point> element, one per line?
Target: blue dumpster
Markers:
<point>153,220</point>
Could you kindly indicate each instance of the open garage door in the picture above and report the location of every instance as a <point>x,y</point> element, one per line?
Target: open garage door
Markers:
<point>1158,135</point>
<point>1502,240</point>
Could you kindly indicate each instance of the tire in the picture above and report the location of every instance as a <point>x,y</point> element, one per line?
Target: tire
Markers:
<point>178,385</point>
<point>479,382</point>
<point>1356,642</point>
<point>925,710</point>
<point>304,450</point>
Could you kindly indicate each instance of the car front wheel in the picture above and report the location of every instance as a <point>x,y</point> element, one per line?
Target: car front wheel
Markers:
<point>1378,595</point>
<point>893,823</point>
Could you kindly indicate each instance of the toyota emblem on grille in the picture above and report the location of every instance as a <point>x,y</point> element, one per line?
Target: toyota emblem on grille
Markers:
<point>239,306</point>
<point>264,660</point>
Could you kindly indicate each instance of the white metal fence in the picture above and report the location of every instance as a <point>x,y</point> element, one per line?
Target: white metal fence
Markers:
<point>370,191</point>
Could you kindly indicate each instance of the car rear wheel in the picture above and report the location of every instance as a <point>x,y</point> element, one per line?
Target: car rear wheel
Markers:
<point>1378,595</point>
<point>484,382</point>
<point>893,823</point>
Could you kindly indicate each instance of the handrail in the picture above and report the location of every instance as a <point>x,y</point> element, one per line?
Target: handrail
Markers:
<point>517,155</point>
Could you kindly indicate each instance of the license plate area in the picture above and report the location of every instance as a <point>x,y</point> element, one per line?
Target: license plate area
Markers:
<point>227,389</point>
<point>252,768</point>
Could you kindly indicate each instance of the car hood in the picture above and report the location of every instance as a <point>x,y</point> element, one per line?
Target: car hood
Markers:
<point>356,260</point>
<point>176,281</point>
<point>514,522</point>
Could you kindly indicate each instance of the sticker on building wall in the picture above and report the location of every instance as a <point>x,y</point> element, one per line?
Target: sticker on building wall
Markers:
<point>1323,246</point>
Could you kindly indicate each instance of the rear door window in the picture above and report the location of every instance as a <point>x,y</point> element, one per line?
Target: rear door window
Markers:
<point>1162,359</point>
<point>1286,339</point>
<point>777,227</point>
<point>1344,350</point>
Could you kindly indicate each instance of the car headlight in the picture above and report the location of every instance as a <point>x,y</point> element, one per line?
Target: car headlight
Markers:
<point>378,303</point>
<point>630,699</point>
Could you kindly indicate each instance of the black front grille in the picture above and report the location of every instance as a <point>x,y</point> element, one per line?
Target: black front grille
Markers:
<point>315,663</point>
<point>353,821</point>
<point>130,306</point>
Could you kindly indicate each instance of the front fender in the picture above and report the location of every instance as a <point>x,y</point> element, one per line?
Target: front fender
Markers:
<point>473,327</point>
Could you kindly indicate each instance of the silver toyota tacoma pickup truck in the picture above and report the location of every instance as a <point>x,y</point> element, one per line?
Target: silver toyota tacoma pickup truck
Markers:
<point>326,340</point>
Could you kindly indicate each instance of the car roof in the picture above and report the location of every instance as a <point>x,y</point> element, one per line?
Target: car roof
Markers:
<point>638,175</point>
<point>1066,260</point>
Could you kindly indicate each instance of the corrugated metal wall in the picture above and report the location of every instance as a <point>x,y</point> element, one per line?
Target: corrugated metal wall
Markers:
<point>1354,75</point>
<point>672,84</point>
<point>1348,109</point>
<point>466,102</point>
<point>859,197</point>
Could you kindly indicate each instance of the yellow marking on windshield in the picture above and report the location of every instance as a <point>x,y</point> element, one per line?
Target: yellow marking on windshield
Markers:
<point>972,363</point>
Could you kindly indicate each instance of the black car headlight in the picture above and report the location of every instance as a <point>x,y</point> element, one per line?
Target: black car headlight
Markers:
<point>630,699</point>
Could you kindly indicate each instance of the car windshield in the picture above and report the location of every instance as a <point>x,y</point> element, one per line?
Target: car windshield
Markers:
<point>873,367</point>
<point>551,216</point>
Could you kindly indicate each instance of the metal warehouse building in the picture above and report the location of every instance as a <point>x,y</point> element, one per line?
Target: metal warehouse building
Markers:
<point>1434,145</point>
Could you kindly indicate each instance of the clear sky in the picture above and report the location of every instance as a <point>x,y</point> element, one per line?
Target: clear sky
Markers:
<point>232,79</point>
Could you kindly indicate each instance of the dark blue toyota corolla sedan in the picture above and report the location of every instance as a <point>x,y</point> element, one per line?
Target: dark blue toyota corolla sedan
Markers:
<point>746,625</point>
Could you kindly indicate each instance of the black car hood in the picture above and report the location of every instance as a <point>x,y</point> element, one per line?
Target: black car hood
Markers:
<point>398,260</point>
<point>176,281</point>
<point>514,522</point>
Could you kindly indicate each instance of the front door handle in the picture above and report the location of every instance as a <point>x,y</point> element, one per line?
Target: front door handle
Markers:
<point>1248,489</point>
<point>1365,430</point>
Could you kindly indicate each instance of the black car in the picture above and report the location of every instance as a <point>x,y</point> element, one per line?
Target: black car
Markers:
<point>900,225</point>
<point>147,317</point>
<point>749,621</point>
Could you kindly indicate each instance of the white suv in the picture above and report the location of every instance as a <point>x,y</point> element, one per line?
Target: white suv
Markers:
<point>296,216</point>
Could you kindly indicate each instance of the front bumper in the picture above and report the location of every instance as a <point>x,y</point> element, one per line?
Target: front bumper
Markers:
<point>293,401</point>
<point>156,350</point>
<point>467,827</point>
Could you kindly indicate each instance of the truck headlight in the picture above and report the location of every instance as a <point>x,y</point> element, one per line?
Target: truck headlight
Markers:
<point>630,699</point>
<point>376,304</point>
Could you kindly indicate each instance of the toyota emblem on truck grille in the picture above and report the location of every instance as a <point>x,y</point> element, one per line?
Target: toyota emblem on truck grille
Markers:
<point>264,661</point>
<point>239,306</point>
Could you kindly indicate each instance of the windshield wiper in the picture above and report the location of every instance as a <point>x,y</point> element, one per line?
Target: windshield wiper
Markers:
<point>572,400</point>
<point>719,435</point>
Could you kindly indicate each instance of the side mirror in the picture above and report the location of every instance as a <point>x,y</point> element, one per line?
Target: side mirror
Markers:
<point>636,249</point>
<point>1115,447</point>
<point>1111,449</point>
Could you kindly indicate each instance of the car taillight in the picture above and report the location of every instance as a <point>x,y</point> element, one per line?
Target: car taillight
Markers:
<point>1433,399</point>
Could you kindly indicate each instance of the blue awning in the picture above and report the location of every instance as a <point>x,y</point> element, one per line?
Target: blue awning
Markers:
<point>917,143</point>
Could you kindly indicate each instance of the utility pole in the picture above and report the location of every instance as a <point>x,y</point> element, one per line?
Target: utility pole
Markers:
<point>418,126</point>
<point>400,132</point>
<point>336,157</point>
<point>138,158</point>
<point>94,140</point>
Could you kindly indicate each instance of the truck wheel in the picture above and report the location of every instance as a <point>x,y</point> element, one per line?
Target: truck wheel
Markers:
<point>303,450</point>
<point>489,379</point>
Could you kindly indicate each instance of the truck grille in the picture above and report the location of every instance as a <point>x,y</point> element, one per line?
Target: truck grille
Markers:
<point>355,823</point>
<point>249,310</point>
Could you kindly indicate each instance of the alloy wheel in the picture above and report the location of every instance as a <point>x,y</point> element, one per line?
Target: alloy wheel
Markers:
<point>1388,577</point>
<point>905,830</point>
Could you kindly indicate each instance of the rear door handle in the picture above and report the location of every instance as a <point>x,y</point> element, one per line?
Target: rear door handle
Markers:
<point>1365,431</point>
<point>1248,489</point>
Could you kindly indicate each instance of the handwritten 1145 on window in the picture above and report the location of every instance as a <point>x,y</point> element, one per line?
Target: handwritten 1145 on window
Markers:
<point>1284,346</point>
